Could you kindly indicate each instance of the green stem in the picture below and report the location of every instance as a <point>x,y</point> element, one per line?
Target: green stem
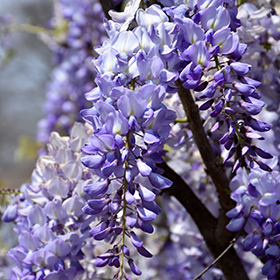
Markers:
<point>217,62</point>
<point>124,213</point>
<point>184,120</point>
<point>26,28</point>
<point>33,29</point>
<point>9,192</point>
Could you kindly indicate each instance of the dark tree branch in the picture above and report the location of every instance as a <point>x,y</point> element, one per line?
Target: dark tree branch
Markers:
<point>214,168</point>
<point>210,160</point>
<point>233,241</point>
<point>107,5</point>
<point>219,237</point>
<point>204,220</point>
<point>229,263</point>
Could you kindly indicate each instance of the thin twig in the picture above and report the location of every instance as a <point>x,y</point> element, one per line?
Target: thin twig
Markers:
<point>216,260</point>
<point>29,28</point>
<point>232,242</point>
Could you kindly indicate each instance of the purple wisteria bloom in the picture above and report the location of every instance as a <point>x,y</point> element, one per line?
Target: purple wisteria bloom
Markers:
<point>51,226</point>
<point>80,22</point>
<point>133,126</point>
<point>257,196</point>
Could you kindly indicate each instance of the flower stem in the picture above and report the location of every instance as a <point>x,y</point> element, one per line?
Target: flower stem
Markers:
<point>124,212</point>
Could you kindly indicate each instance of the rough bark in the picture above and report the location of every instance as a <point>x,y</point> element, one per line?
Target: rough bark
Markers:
<point>210,160</point>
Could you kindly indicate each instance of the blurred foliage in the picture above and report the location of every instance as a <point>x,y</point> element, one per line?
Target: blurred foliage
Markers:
<point>26,149</point>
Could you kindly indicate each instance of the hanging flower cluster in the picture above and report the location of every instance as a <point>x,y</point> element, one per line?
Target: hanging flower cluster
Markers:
<point>260,31</point>
<point>257,196</point>
<point>130,129</point>
<point>212,52</point>
<point>77,28</point>
<point>50,223</point>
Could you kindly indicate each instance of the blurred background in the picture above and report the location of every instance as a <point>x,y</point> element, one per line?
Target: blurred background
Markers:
<point>22,91</point>
<point>22,94</point>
